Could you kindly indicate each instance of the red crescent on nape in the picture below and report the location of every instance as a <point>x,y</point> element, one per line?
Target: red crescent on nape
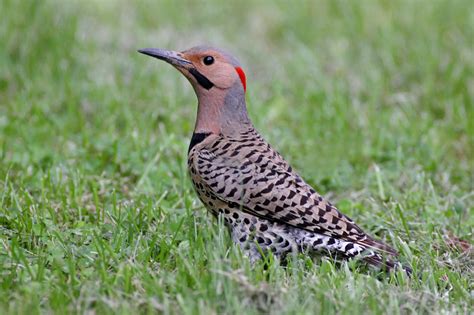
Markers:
<point>241,74</point>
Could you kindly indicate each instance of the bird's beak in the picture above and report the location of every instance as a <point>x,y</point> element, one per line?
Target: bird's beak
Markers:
<point>178,61</point>
<point>172,57</point>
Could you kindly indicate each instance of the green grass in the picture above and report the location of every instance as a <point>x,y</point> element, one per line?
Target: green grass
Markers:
<point>372,102</point>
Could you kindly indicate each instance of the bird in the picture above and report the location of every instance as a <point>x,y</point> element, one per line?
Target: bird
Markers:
<point>266,205</point>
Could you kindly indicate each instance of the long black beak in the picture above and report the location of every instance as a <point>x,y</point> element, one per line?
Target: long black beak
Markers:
<point>176,59</point>
<point>172,57</point>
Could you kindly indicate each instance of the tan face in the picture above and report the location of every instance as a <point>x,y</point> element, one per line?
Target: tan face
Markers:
<point>206,69</point>
<point>213,66</point>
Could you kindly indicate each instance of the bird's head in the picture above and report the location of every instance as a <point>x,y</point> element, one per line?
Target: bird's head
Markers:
<point>219,83</point>
<point>205,67</point>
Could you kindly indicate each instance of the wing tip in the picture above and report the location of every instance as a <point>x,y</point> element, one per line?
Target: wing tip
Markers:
<point>378,245</point>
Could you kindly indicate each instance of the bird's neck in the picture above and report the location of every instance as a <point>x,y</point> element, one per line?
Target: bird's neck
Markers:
<point>222,112</point>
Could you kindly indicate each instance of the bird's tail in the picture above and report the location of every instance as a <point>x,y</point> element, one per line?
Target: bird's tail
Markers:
<point>369,251</point>
<point>375,259</point>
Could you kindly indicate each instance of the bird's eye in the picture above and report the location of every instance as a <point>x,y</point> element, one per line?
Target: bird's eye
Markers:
<point>208,60</point>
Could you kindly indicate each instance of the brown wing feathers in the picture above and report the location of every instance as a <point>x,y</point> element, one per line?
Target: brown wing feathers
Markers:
<point>250,173</point>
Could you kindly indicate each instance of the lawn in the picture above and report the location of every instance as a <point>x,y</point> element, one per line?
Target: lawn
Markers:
<point>372,103</point>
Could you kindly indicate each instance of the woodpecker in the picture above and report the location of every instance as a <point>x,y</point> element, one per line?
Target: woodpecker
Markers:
<point>267,206</point>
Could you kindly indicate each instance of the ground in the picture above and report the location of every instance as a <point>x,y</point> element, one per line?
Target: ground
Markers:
<point>372,102</point>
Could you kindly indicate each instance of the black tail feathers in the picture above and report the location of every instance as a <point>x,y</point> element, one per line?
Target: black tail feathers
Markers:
<point>378,261</point>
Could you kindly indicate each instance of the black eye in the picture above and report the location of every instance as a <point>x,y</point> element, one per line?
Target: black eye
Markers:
<point>208,60</point>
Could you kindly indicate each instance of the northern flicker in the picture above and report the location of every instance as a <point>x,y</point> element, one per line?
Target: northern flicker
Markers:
<point>266,205</point>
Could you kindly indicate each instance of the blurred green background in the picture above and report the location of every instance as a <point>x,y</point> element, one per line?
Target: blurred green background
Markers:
<point>371,101</point>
